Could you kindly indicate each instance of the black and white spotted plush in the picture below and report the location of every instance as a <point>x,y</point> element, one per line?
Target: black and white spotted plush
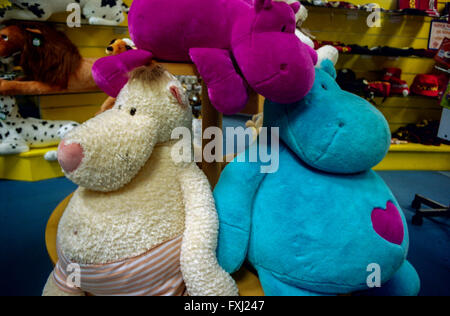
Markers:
<point>99,12</point>
<point>18,135</point>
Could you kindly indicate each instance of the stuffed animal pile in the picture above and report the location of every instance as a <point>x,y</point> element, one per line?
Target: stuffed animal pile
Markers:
<point>324,52</point>
<point>259,37</point>
<point>144,223</point>
<point>140,215</point>
<point>99,12</point>
<point>323,222</point>
<point>18,134</point>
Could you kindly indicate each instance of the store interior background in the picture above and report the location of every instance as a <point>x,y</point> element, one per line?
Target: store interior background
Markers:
<point>26,206</point>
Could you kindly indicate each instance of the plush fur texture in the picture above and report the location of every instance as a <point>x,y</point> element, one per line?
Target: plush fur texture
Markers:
<point>99,12</point>
<point>257,46</point>
<point>50,61</point>
<point>133,196</point>
<point>12,41</point>
<point>18,135</point>
<point>309,232</point>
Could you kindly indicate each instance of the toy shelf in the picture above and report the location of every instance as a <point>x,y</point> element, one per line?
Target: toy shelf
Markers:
<point>29,166</point>
<point>386,12</point>
<point>398,30</point>
<point>417,157</point>
<point>391,57</point>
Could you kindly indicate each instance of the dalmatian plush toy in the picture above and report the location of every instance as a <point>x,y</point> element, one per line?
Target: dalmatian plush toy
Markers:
<point>18,134</point>
<point>99,12</point>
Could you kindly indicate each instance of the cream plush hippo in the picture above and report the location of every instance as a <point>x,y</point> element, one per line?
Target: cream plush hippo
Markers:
<point>140,223</point>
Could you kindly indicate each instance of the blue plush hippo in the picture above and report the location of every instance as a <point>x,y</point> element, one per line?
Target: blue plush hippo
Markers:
<point>324,223</point>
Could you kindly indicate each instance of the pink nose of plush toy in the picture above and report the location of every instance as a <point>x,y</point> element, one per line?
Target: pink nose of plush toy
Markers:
<point>70,156</point>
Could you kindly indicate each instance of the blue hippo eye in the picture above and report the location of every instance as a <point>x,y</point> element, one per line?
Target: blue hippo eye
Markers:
<point>324,86</point>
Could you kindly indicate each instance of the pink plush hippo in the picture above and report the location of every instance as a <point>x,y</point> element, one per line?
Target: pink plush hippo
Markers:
<point>233,43</point>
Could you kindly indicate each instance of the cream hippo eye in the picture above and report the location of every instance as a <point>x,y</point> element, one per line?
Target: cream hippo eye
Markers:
<point>133,111</point>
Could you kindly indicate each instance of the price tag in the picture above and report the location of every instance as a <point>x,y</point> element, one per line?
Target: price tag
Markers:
<point>438,31</point>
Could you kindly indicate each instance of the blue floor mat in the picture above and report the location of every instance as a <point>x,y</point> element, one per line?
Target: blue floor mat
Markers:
<point>26,208</point>
<point>430,243</point>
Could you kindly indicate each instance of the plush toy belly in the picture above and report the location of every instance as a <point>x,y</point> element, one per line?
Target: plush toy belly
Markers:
<point>321,231</point>
<point>155,273</point>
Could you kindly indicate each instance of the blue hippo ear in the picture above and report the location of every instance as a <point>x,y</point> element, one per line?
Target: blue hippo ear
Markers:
<point>328,67</point>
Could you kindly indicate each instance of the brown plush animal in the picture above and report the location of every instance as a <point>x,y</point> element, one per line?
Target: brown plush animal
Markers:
<point>118,46</point>
<point>50,61</point>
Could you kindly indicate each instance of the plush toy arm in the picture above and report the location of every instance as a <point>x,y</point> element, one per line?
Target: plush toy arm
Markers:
<point>111,73</point>
<point>16,87</point>
<point>51,289</point>
<point>234,196</point>
<point>226,88</point>
<point>201,272</point>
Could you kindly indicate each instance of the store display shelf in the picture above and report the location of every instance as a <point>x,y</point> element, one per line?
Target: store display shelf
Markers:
<point>394,13</point>
<point>29,166</point>
<point>386,56</point>
<point>60,22</point>
<point>71,92</point>
<point>417,99</point>
<point>417,157</point>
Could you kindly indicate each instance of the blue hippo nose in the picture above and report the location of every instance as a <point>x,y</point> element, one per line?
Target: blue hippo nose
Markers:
<point>342,134</point>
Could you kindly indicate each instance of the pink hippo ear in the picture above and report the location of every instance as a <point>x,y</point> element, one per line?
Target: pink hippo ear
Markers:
<point>262,4</point>
<point>295,6</point>
<point>175,91</point>
<point>111,73</point>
